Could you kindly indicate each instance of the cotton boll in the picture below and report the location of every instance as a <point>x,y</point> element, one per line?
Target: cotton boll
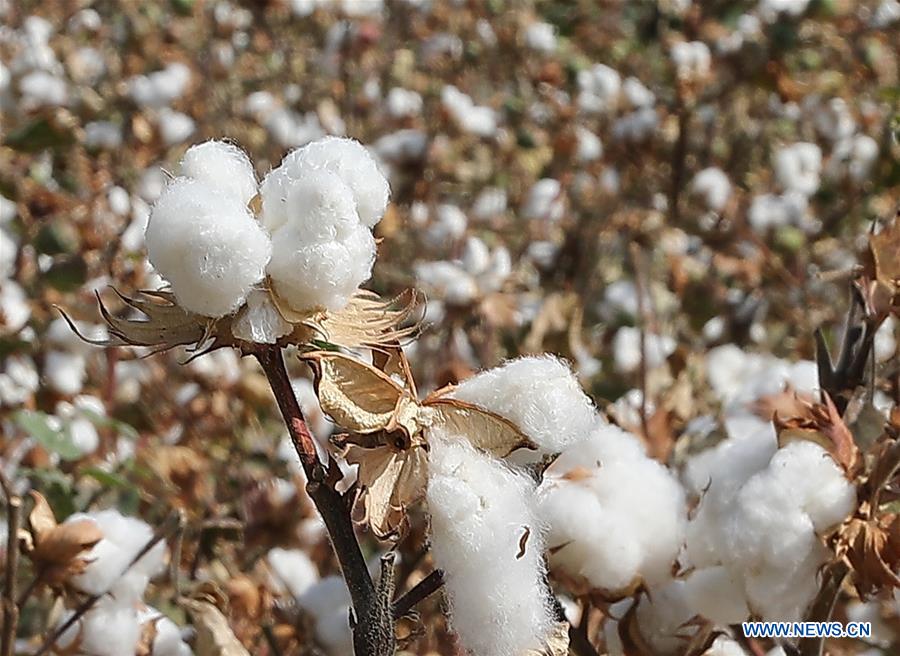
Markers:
<point>447,281</point>
<point>637,95</point>
<point>321,208</point>
<point>65,372</point>
<point>222,166</point>
<point>402,146</point>
<point>123,538</point>
<point>770,210</point>
<point>403,102</point>
<point>544,201</point>
<point>662,619</point>
<point>717,594</point>
<point>479,512</point>
<point>320,275</point>
<point>260,322</point>
<point>692,59</point>
<point>540,395</point>
<point>293,569</point>
<point>489,203</point>
<point>476,256</point>
<point>353,164</point>
<point>589,148</point>
<point>175,127</point>
<point>627,349</point>
<point>43,89</point>
<point>541,37</point>
<point>448,225</point>
<point>102,134</point>
<point>209,248</point>
<point>14,308</point>
<point>328,602</point>
<point>167,640</point>
<point>853,157</point>
<point>614,515</point>
<point>713,186</point>
<point>107,629</point>
<point>18,380</point>
<point>481,121</point>
<point>160,88</point>
<point>599,88</point>
<point>797,167</point>
<point>639,125</point>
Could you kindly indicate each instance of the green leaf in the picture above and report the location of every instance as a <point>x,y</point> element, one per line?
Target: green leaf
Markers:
<point>106,478</point>
<point>38,426</point>
<point>37,136</point>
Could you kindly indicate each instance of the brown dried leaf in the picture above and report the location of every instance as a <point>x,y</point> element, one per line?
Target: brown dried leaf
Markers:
<point>484,430</point>
<point>885,250</point>
<point>214,635</point>
<point>57,550</point>
<point>871,549</point>
<point>820,423</point>
<point>356,395</point>
<point>391,480</point>
<point>369,321</point>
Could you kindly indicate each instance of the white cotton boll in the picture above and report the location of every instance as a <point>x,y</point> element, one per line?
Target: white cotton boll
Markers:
<point>834,120</point>
<point>118,200</point>
<point>498,271</point>
<point>293,569</point>
<point>599,88</point>
<point>222,366</point>
<point>490,202</point>
<point>43,89</point>
<point>447,281</point>
<point>449,224</point>
<point>542,253</point>
<point>290,129</point>
<point>352,163</point>
<point>541,37</point>
<point>175,127</point>
<point>797,167</point>
<point>86,65</point>
<point>887,13</point>
<point>123,538</point>
<point>885,341</point>
<point>260,322</point>
<point>403,102</point>
<point>8,210</point>
<point>589,147</point>
<point>544,201</point>
<point>108,629</point>
<point>717,594</point>
<point>478,120</point>
<point>323,275</point>
<point>540,395</point>
<point>210,248</point>
<point>637,95</point>
<point>14,308</point>
<point>476,256</point>
<point>627,349</point>
<point>222,166</point>
<point>83,435</point>
<point>321,208</point>
<point>773,211</point>
<point>713,186</point>
<point>725,646</point>
<point>853,157</point>
<point>402,146</point>
<point>87,20</point>
<point>18,380</point>
<point>65,372</point>
<point>479,512</point>
<point>662,619</point>
<point>636,126</point>
<point>692,59</point>
<point>614,515</point>
<point>160,88</point>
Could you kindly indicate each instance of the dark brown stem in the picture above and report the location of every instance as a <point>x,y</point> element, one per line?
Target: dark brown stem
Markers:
<point>332,506</point>
<point>823,605</point>
<point>10,609</point>
<point>421,590</point>
<point>579,642</point>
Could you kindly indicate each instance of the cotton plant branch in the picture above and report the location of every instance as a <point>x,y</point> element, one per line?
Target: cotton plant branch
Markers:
<point>370,624</point>
<point>10,607</point>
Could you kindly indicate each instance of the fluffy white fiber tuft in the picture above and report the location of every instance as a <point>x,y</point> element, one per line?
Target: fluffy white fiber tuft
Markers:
<point>209,248</point>
<point>480,510</point>
<point>614,515</point>
<point>539,394</point>
<point>222,166</point>
<point>123,539</point>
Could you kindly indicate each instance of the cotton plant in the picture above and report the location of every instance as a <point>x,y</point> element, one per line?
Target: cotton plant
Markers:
<point>479,272</point>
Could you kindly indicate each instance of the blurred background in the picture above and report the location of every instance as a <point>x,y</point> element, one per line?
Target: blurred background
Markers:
<point>626,184</point>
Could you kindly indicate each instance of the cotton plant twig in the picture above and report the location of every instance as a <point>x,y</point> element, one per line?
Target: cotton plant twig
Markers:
<point>162,532</point>
<point>10,608</point>
<point>368,624</point>
<point>420,591</point>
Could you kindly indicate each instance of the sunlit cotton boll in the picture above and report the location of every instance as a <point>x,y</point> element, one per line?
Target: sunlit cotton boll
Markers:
<point>223,166</point>
<point>110,628</point>
<point>599,88</point>
<point>541,37</point>
<point>614,516</point>
<point>798,166</point>
<point>108,561</point>
<point>348,159</point>
<point>713,186</point>
<point>320,275</point>
<point>692,59</point>
<point>167,639</point>
<point>292,569</point>
<point>480,510</point>
<point>207,246</point>
<point>160,88</point>
<point>540,395</point>
<point>478,120</point>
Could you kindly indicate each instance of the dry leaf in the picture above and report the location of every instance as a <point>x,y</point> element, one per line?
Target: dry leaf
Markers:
<point>820,423</point>
<point>214,635</point>
<point>872,547</point>
<point>485,430</point>
<point>58,550</point>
